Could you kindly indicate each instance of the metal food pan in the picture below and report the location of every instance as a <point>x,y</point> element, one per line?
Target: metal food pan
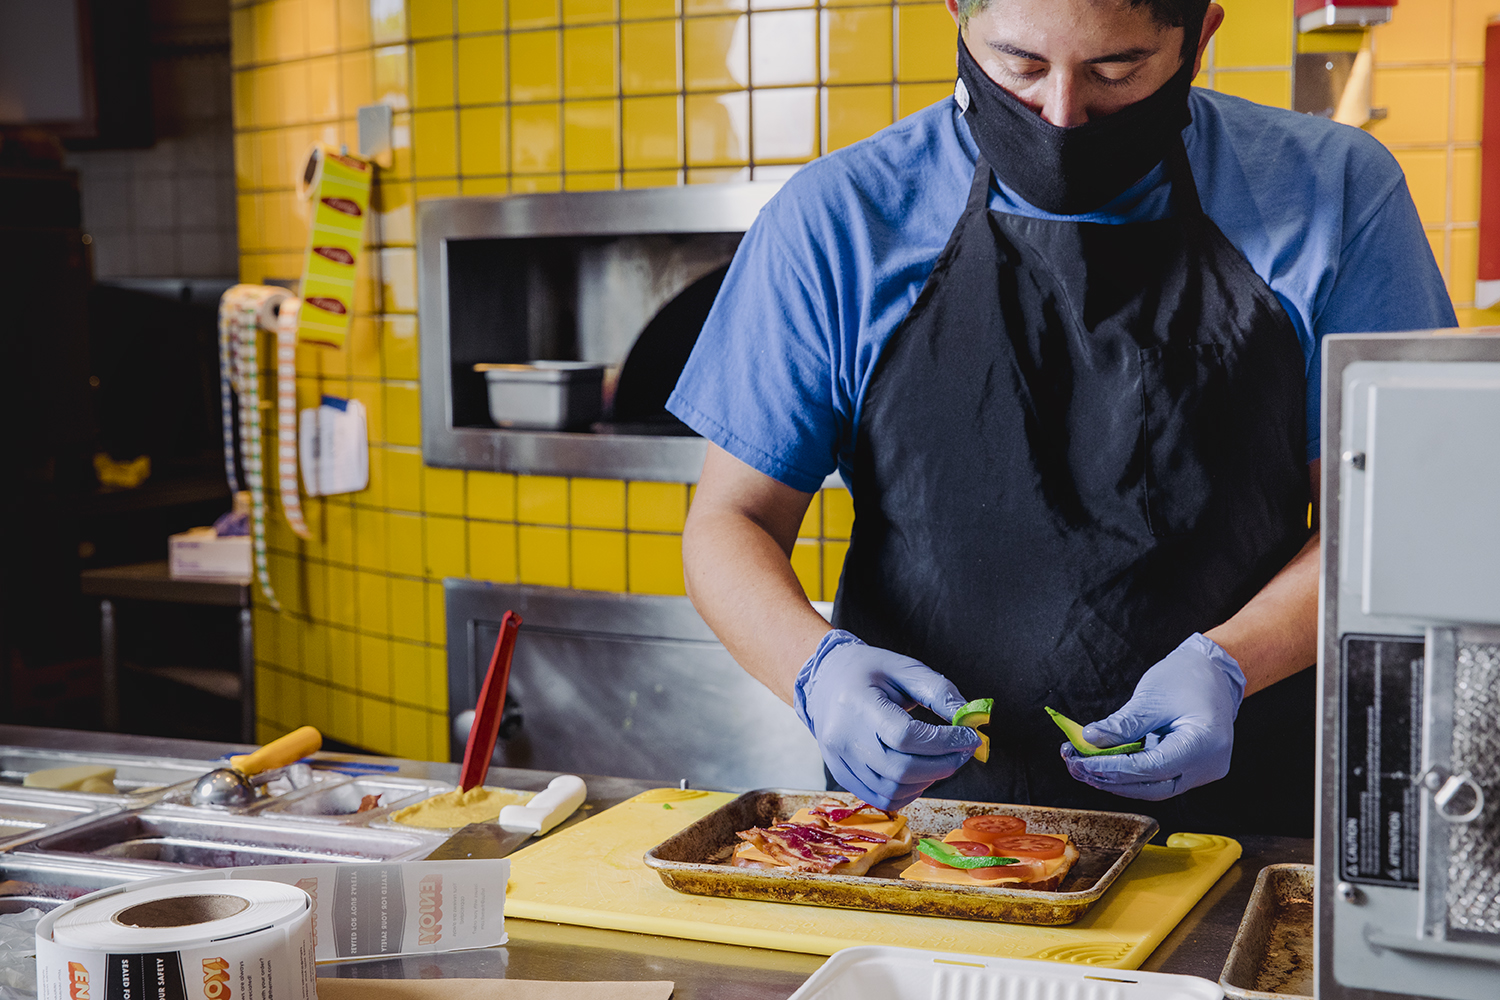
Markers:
<point>266,794</point>
<point>45,884</point>
<point>695,860</point>
<point>26,813</point>
<point>133,775</point>
<point>1272,954</point>
<point>176,838</point>
<point>340,801</point>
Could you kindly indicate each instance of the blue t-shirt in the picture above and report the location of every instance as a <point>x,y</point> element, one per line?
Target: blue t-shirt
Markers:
<point>836,259</point>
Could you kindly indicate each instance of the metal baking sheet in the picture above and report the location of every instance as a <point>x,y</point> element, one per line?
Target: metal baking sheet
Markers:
<point>26,813</point>
<point>695,861</point>
<point>1272,954</point>
<point>27,882</point>
<point>133,775</point>
<point>185,837</point>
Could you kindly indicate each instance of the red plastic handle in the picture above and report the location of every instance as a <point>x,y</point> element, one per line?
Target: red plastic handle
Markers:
<point>486,726</point>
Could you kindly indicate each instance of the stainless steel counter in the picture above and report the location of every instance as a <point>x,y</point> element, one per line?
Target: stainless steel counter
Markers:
<point>538,950</point>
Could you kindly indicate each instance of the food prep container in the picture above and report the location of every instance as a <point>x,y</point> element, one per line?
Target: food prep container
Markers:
<point>133,775</point>
<point>1272,954</point>
<point>872,972</point>
<point>339,801</point>
<point>544,395</point>
<point>26,813</point>
<point>176,837</point>
<point>695,861</point>
<point>46,884</point>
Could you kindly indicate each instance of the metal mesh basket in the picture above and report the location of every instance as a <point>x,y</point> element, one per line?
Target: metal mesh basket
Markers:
<point>1474,847</point>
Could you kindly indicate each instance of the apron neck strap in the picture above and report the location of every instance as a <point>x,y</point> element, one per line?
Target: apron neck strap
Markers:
<point>1185,201</point>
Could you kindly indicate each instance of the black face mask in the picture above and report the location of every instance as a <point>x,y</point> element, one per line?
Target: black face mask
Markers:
<point>1069,171</point>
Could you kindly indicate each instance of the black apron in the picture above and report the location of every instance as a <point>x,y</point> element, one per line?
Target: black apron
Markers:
<point>1084,443</point>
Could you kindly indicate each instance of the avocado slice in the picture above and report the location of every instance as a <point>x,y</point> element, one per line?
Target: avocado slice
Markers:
<point>975,714</point>
<point>1074,732</point>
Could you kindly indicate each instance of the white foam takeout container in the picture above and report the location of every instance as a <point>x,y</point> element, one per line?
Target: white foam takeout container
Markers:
<point>872,972</point>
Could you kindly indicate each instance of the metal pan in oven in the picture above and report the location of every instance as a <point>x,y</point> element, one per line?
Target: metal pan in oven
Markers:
<point>1272,954</point>
<point>695,861</point>
<point>177,837</point>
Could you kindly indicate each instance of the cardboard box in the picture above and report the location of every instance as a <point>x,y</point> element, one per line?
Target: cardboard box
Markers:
<point>199,553</point>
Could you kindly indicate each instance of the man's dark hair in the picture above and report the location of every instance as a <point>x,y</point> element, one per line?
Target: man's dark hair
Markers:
<point>1185,14</point>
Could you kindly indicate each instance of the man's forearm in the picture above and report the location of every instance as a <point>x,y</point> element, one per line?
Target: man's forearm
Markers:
<point>1276,634</point>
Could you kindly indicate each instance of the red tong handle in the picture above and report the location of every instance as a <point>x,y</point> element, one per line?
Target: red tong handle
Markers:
<point>486,726</point>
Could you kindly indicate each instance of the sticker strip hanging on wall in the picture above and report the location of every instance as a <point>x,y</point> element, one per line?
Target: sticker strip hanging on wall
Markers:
<point>286,416</point>
<point>338,186</point>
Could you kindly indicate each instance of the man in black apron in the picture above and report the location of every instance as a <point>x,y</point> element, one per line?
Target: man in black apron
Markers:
<point>1079,479</point>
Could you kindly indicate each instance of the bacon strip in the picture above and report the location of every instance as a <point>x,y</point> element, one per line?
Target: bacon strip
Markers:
<point>815,847</point>
<point>836,812</point>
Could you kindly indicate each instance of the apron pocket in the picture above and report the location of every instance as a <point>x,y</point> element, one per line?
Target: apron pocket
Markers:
<point>1183,396</point>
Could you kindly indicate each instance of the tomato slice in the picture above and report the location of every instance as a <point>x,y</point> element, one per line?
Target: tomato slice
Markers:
<point>1027,845</point>
<point>988,829</point>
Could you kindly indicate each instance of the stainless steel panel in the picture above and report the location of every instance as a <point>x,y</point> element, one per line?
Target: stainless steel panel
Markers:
<point>133,775</point>
<point>46,884</point>
<point>624,684</point>
<point>26,813</point>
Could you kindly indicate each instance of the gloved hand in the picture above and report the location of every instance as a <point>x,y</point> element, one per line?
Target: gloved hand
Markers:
<point>854,699</point>
<point>1190,698</point>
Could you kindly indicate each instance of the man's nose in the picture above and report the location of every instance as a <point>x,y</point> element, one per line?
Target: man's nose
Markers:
<point>1063,103</point>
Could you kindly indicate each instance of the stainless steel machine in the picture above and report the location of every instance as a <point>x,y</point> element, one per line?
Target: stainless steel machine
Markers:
<point>1408,900</point>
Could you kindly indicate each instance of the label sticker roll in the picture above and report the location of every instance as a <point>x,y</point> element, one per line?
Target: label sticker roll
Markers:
<point>210,939</point>
<point>338,186</point>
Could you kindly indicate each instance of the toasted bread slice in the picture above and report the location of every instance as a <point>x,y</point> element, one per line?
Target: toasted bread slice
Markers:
<point>899,842</point>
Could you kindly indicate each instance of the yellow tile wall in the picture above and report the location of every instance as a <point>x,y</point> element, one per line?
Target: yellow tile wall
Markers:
<point>493,97</point>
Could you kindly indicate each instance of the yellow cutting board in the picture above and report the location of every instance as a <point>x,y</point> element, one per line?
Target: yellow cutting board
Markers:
<point>592,874</point>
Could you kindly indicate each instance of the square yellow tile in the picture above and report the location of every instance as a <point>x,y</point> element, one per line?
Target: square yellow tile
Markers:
<point>785,124</point>
<point>314,643</point>
<point>338,528</point>
<point>483,141</point>
<point>1255,33</point>
<point>322,28</point>
<point>485,185</point>
<point>375,666</point>
<point>409,674</point>
<point>588,11</point>
<point>481,15</point>
<point>343,658</point>
<point>376,721</point>
<point>591,136</point>
<point>652,133</point>
<point>264,624</point>
<point>370,538</point>
<point>398,269</point>
<point>492,495</point>
<point>437,683</point>
<point>599,181</point>
<point>855,113</point>
<point>443,491</point>
<point>317,590</point>
<point>1468,100</point>
<point>343,724</point>
<point>492,551</point>
<point>1420,33</point>
<point>434,136</point>
<point>387,21</point>
<point>716,53</point>
<point>833,567</point>
<point>430,17</point>
<point>543,555</point>
<point>404,542</point>
<point>857,45</point>
<point>533,13</point>
<point>481,69</point>
<point>392,77</point>
<point>589,61</point>
<point>357,80</point>
<point>403,479</point>
<point>807,563</point>
<point>315,704</point>
<point>394,207</point>
<point>536,137</point>
<point>408,616</point>
<point>368,393</point>
<point>363,348</point>
<point>655,564</point>
<point>650,60</point>
<point>354,24</point>
<point>656,506</point>
<point>286,24</point>
<point>598,560</point>
<point>597,503</point>
<point>403,416</point>
<point>242,37</point>
<point>631,10</point>
<point>534,183</point>
<point>436,189</point>
<point>1463,265</point>
<point>812,520</point>
<point>1270,87</point>
<point>695,7</point>
<point>650,178</point>
<point>323,88</point>
<point>1416,101</point>
<point>926,43</point>
<point>432,84</point>
<point>534,65</point>
<point>374,494</point>
<point>372,601</point>
<point>436,620</point>
<point>1466,185</point>
<point>783,48</point>
<point>1469,20</point>
<point>399,348</point>
<point>718,129</point>
<point>411,733</point>
<point>1427,179</point>
<point>447,546</point>
<point>838,514</point>
<point>542,500</point>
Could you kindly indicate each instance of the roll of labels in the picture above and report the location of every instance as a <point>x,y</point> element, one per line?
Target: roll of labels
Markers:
<point>256,933</point>
<point>337,187</point>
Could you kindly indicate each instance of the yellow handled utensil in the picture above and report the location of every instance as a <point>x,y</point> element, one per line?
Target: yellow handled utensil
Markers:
<point>230,786</point>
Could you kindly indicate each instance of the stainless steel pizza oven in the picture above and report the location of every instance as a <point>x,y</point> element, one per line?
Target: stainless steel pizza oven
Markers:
<point>624,279</point>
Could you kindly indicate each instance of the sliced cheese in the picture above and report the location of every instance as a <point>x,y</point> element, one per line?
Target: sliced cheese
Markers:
<point>1027,870</point>
<point>72,779</point>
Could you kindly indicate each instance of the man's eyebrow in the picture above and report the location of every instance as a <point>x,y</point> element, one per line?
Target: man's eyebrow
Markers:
<point>1124,56</point>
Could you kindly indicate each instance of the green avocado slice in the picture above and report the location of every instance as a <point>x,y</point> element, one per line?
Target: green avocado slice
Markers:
<point>939,851</point>
<point>975,714</point>
<point>1074,732</point>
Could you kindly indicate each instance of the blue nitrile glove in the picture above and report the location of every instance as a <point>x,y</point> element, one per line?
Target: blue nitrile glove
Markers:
<point>854,699</point>
<point>1190,699</point>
